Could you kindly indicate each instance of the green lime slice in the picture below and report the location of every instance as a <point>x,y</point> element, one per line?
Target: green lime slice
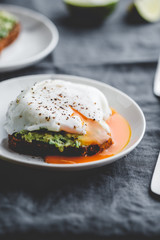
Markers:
<point>149,10</point>
<point>91,9</point>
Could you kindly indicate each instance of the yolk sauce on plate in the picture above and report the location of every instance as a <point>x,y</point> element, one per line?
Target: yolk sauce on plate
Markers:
<point>121,134</point>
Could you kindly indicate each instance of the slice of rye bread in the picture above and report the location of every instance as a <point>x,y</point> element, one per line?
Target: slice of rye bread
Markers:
<point>6,41</point>
<point>38,148</point>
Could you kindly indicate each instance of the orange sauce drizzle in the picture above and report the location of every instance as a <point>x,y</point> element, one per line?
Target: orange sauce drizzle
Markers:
<point>121,134</point>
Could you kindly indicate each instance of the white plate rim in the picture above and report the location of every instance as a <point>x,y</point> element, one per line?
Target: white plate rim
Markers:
<point>79,166</point>
<point>51,27</point>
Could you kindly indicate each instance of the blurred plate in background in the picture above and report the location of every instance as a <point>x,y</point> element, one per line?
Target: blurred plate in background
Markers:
<point>38,37</point>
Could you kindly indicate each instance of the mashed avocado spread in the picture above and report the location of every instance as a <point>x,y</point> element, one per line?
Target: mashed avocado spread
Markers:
<point>59,140</point>
<point>7,22</point>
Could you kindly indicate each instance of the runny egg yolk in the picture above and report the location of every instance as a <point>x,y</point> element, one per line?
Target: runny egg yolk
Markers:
<point>95,133</point>
<point>120,133</point>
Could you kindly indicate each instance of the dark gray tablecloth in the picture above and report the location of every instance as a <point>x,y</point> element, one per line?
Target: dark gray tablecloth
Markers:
<point>112,202</point>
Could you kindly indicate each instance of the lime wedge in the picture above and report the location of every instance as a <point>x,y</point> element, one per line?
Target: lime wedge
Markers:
<point>91,9</point>
<point>149,10</point>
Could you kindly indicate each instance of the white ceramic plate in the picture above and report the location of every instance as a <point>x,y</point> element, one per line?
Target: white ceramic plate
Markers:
<point>38,38</point>
<point>121,102</point>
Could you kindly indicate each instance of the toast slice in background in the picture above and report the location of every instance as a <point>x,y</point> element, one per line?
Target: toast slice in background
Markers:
<point>9,29</point>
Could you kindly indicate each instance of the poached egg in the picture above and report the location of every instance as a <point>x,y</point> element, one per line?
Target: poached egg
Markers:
<point>58,105</point>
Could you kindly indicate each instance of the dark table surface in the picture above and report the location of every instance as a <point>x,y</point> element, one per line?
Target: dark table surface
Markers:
<point>112,202</point>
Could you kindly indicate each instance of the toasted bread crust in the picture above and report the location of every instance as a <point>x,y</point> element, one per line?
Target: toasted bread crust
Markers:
<point>37,148</point>
<point>4,42</point>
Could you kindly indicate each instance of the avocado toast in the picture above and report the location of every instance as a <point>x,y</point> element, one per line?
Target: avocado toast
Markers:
<point>9,29</point>
<point>57,117</point>
<point>42,142</point>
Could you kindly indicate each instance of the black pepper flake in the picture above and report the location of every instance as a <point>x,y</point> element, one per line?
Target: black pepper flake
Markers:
<point>40,114</point>
<point>58,123</point>
<point>47,118</point>
<point>20,116</point>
